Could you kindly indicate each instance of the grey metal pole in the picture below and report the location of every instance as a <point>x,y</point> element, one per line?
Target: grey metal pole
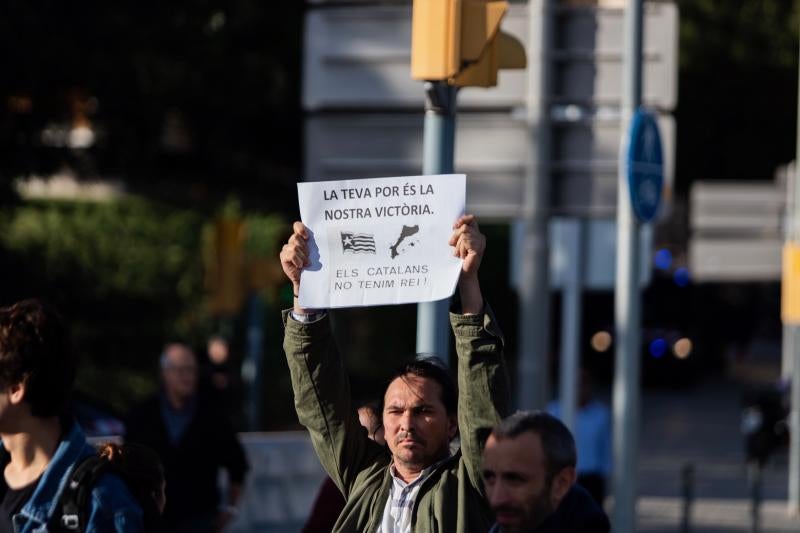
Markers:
<point>437,158</point>
<point>791,233</point>
<point>793,331</point>
<point>794,430</point>
<point>533,255</point>
<point>571,314</point>
<point>627,313</point>
<point>252,368</point>
<point>787,352</point>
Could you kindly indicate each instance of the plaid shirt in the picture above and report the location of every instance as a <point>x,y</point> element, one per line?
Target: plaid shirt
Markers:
<point>399,507</point>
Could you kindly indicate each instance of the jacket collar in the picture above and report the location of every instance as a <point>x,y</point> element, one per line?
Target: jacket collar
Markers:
<point>45,498</point>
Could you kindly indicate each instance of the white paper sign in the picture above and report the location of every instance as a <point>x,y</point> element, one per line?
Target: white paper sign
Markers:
<point>380,241</point>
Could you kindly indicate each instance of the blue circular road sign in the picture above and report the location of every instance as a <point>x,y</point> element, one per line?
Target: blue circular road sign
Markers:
<point>644,165</point>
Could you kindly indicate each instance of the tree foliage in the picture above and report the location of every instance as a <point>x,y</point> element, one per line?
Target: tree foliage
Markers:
<point>186,99</point>
<point>127,273</point>
<point>737,88</point>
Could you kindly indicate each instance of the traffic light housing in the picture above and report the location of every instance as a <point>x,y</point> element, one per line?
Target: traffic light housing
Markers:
<point>459,41</point>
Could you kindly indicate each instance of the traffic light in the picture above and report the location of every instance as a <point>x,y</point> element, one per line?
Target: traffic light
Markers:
<point>225,266</point>
<point>459,41</point>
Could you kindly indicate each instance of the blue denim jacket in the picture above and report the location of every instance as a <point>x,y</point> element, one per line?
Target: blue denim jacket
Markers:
<point>111,506</point>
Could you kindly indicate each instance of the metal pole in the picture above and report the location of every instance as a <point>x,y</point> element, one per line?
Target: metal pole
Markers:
<point>571,311</point>
<point>791,234</point>
<point>794,334</point>
<point>627,302</point>
<point>754,477</point>
<point>437,158</point>
<point>251,368</point>
<point>533,254</point>
<point>794,429</point>
<point>687,490</point>
<point>787,352</point>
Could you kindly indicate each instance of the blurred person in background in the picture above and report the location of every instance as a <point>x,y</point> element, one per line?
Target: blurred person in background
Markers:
<point>143,473</point>
<point>221,380</point>
<point>592,436</point>
<point>529,474</point>
<point>194,440</point>
<point>329,502</point>
<point>41,444</point>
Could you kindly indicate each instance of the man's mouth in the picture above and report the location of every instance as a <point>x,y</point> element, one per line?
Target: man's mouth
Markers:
<point>506,516</point>
<point>408,439</point>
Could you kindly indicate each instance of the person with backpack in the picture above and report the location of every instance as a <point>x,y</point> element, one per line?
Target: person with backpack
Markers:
<point>41,445</point>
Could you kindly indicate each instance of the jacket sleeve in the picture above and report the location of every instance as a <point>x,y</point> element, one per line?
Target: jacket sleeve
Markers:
<point>483,388</point>
<point>322,400</point>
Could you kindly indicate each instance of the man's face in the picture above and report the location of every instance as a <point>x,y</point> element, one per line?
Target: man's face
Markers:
<point>515,477</point>
<point>417,427</point>
<point>179,371</point>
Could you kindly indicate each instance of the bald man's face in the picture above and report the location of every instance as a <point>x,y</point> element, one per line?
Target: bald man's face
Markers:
<point>179,371</point>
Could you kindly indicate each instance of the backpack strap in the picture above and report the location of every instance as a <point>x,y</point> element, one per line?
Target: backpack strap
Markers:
<point>70,515</point>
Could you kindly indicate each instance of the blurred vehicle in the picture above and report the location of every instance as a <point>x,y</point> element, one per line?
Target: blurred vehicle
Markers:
<point>667,354</point>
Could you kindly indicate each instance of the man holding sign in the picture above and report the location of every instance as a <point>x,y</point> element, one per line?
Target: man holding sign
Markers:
<point>380,241</point>
<point>416,484</point>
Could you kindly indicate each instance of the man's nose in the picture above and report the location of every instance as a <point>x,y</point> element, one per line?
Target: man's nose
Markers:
<point>407,421</point>
<point>498,495</point>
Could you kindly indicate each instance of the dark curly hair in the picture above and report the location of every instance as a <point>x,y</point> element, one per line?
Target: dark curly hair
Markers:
<point>430,367</point>
<point>34,350</point>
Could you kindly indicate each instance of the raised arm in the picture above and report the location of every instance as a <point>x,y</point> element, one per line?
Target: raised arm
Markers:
<point>483,389</point>
<point>469,244</point>
<point>319,380</point>
<point>294,258</point>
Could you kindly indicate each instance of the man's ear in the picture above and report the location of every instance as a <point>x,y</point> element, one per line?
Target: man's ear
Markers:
<point>16,393</point>
<point>452,426</point>
<point>562,482</point>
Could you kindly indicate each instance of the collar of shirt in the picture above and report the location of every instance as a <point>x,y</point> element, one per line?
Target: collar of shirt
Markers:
<point>402,496</point>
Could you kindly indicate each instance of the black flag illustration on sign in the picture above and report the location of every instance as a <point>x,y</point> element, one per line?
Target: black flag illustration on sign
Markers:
<point>357,243</point>
<point>405,241</point>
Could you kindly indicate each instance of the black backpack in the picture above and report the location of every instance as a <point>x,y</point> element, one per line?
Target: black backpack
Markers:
<point>71,512</point>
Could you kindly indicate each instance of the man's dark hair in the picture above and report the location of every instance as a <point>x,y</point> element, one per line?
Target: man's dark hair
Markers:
<point>430,367</point>
<point>557,441</point>
<point>34,349</point>
<point>374,407</point>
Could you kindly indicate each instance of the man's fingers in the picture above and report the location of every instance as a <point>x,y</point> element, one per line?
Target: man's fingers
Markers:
<point>465,220</point>
<point>293,256</point>
<point>298,240</point>
<point>300,229</point>
<point>298,246</point>
<point>454,238</point>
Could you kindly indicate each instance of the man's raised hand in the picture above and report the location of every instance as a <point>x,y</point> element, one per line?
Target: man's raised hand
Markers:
<point>469,244</point>
<point>294,254</point>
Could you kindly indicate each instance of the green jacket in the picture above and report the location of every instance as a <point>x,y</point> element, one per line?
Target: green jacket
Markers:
<point>452,498</point>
